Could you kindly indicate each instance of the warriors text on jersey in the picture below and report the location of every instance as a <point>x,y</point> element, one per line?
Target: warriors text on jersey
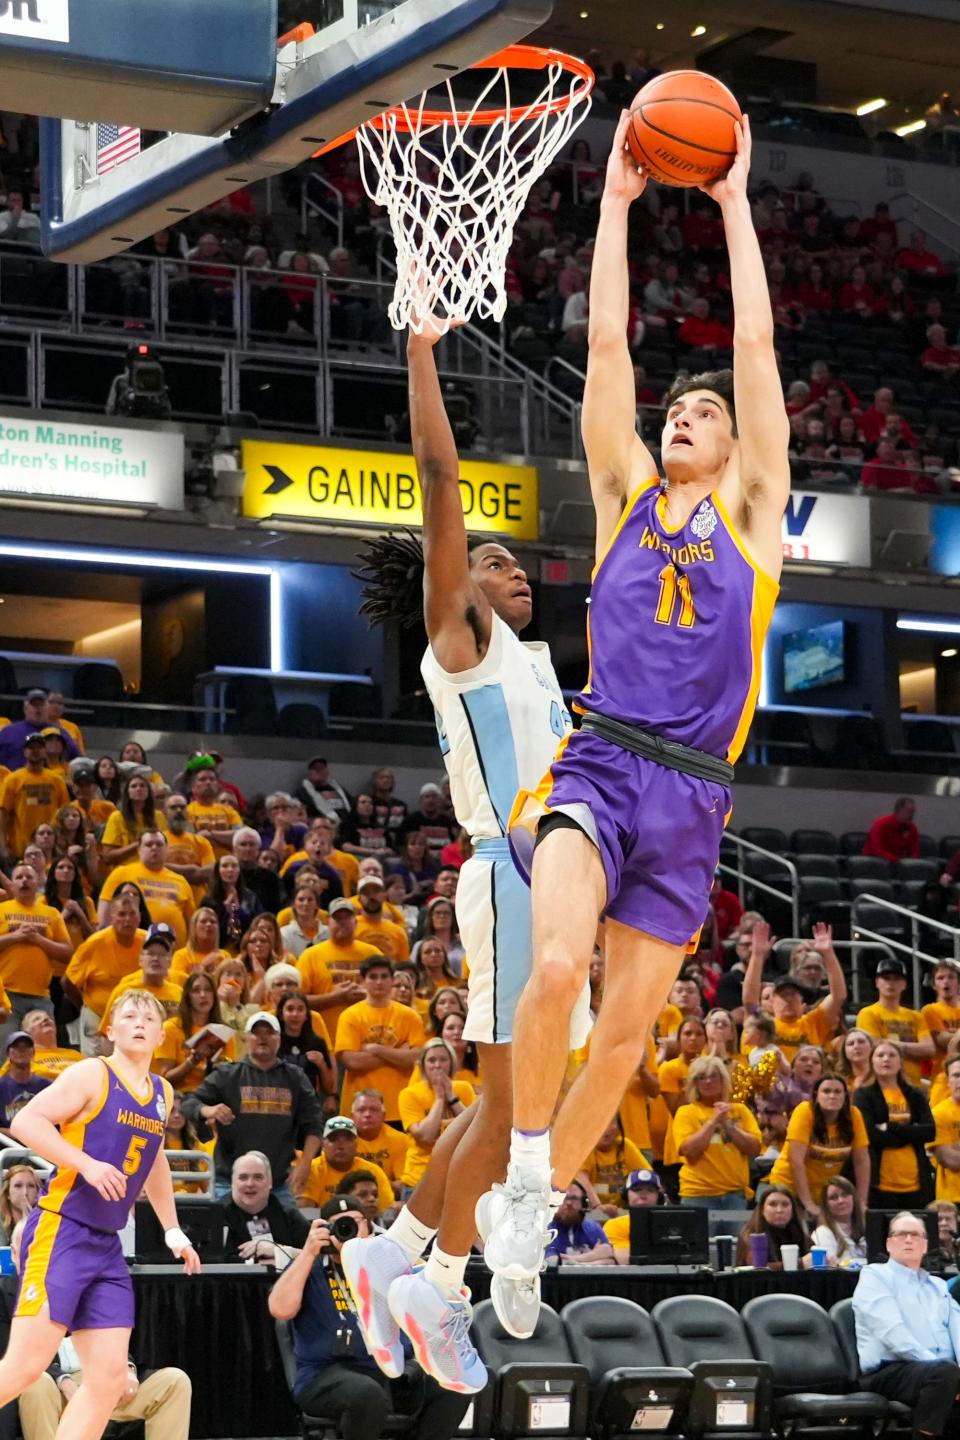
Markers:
<point>499,724</point>
<point>676,625</point>
<point>126,1130</point>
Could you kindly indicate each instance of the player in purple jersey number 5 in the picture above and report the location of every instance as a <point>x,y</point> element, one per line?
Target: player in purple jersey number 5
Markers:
<point>626,825</point>
<point>102,1124</point>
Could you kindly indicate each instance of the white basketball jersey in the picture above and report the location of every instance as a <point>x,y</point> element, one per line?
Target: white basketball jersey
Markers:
<point>499,726</point>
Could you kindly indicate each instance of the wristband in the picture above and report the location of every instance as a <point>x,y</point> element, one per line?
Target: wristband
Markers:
<point>176,1240</point>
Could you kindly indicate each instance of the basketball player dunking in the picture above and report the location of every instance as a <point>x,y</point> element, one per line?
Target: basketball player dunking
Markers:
<point>627,822</point>
<point>500,713</point>
<point>101,1123</point>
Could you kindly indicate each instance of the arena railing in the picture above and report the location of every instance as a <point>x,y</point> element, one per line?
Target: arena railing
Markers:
<point>916,956</point>
<point>747,881</point>
<point>884,946</point>
<point>310,208</point>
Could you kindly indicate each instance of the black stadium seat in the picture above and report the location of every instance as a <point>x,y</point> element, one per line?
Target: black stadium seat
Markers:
<point>844,1327</point>
<point>868,867</point>
<point>313,1426</point>
<point>732,1389</point>
<point>923,869</point>
<point>632,1387</point>
<point>527,1371</point>
<point>852,842</point>
<point>817,866</point>
<point>767,838</point>
<point>811,1387</point>
<point>813,842</point>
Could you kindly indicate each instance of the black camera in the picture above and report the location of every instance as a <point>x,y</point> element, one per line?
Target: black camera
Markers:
<point>140,391</point>
<point>344,1227</point>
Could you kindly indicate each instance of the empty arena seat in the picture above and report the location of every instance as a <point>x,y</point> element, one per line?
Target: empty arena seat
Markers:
<point>883,889</point>
<point>928,847</point>
<point>528,1372</point>
<point>886,923</point>
<point>732,1389</point>
<point>868,867</point>
<point>859,744</point>
<point>852,842</point>
<point>813,842</point>
<point>811,1386</point>
<point>819,899</point>
<point>632,1386</point>
<point>823,866</point>
<point>922,869</point>
<point>767,838</point>
<point>949,845</point>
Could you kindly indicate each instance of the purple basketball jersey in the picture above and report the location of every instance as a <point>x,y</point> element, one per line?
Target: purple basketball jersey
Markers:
<point>676,625</point>
<point>125,1131</point>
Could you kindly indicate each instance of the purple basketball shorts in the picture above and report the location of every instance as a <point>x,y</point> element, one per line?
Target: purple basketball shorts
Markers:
<point>80,1273</point>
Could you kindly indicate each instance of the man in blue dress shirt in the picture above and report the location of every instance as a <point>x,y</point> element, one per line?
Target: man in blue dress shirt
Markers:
<point>908,1330</point>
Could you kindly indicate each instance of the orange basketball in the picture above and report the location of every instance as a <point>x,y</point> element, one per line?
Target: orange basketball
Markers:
<point>681,128</point>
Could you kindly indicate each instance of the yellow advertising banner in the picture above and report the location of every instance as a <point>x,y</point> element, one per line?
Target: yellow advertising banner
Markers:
<point>314,482</point>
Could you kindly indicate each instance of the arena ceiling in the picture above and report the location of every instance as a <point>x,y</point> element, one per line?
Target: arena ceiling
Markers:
<point>861,52</point>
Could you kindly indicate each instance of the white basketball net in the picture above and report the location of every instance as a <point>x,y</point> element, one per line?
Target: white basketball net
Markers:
<point>454,190</point>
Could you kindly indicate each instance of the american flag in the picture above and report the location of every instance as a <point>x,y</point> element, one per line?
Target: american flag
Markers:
<point>115,144</point>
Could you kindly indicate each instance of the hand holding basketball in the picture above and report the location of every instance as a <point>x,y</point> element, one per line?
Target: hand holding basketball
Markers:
<point>733,185</point>
<point>623,180</point>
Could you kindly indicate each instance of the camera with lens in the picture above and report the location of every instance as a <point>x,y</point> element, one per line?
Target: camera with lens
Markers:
<point>140,390</point>
<point>343,1228</point>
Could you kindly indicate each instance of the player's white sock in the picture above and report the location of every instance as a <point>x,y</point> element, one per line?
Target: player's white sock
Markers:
<point>446,1272</point>
<point>530,1149</point>
<point>410,1234</point>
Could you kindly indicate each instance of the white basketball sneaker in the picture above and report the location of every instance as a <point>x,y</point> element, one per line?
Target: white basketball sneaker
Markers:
<point>513,1219</point>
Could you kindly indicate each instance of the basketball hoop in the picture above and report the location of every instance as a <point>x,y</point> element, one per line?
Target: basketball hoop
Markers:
<point>454,181</point>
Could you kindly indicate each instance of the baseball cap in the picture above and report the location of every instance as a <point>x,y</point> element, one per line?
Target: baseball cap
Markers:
<point>52,730</point>
<point>338,1205</point>
<point>789,982</point>
<point>342,903</point>
<point>638,1178</point>
<point>368,881</point>
<point>430,789</point>
<point>163,933</point>
<point>262,1017</point>
<point>889,966</point>
<point>18,1035</point>
<point>35,694</point>
<point>336,1123</point>
<point>316,760</point>
<point>81,770</point>
<point>34,739</point>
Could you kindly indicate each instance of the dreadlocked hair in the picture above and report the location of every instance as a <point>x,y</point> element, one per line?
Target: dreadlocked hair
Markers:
<point>391,574</point>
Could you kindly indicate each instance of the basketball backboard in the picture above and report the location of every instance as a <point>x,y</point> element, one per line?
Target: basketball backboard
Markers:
<point>326,85</point>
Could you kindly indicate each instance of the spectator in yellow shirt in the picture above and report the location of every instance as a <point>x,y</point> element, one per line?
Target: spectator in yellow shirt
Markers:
<point>210,816</point>
<point>824,1136</point>
<point>796,1026</point>
<point>202,950</point>
<point>189,854</point>
<point>887,1019</point>
<point>942,1018</point>
<point>153,974</point>
<point>946,1143</point>
<point>337,1158</point>
<point>372,928</point>
<point>56,717</point>
<point>168,896</point>
<point>430,1105</point>
<point>49,1058</point>
<point>33,938</point>
<point>378,1041</point>
<point>31,795</point>
<point>120,841</point>
<point>99,964</point>
<point>716,1138</point>
<point>345,864</point>
<point>644,1189</point>
<point>377,1142</point>
<point>184,1065</point>
<point>330,971</point>
<point>605,1170</point>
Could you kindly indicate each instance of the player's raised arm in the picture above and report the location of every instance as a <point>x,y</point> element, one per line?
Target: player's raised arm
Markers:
<point>456,612</point>
<point>762,424</point>
<point>615,453</point>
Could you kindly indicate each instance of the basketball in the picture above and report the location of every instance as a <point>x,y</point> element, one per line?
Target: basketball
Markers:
<point>681,128</point>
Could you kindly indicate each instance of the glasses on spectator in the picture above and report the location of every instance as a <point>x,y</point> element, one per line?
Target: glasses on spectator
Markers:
<point>906,1234</point>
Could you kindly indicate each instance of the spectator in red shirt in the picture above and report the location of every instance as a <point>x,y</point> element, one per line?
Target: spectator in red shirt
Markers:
<point>857,297</point>
<point>888,470</point>
<point>940,357</point>
<point>820,379</point>
<point>895,837</point>
<point>918,259</point>
<point>833,409</point>
<point>727,909</point>
<point>702,228</point>
<point>700,330</point>
<point>879,223</point>
<point>814,292</point>
<point>873,421</point>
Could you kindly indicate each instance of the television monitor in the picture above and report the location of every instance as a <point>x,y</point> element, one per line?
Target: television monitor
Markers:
<point>201,1221</point>
<point>668,1235</point>
<point>878,1223</point>
<point>815,657</point>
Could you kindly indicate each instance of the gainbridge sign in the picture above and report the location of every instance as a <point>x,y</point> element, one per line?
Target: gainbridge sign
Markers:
<point>349,487</point>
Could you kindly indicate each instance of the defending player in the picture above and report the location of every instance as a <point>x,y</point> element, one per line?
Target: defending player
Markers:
<point>101,1123</point>
<point>627,822</point>
<point>500,713</point>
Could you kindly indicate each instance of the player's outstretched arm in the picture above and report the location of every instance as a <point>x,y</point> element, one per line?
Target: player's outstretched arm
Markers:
<point>456,612</point>
<point>74,1093</point>
<point>615,453</point>
<point>762,424</point>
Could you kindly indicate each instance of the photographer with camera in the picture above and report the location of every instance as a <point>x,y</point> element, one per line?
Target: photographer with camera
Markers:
<point>336,1375</point>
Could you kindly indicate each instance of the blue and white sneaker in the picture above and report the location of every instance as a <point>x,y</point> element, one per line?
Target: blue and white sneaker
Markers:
<point>439,1331</point>
<point>370,1267</point>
